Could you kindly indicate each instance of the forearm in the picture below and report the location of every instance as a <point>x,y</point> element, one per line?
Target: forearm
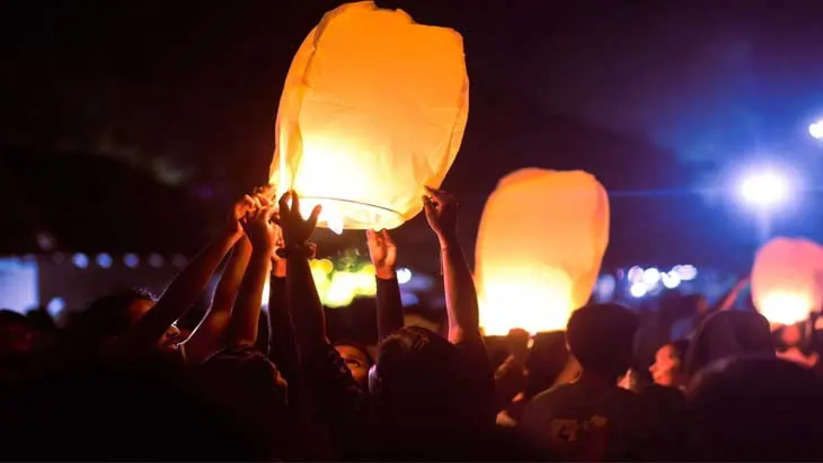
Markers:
<point>389,307</point>
<point>304,306</point>
<point>180,295</point>
<point>282,349</point>
<point>461,295</point>
<point>232,277</point>
<point>728,300</point>
<point>246,315</point>
<point>210,336</point>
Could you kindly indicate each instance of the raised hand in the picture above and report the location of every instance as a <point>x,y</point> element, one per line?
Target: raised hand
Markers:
<point>241,208</point>
<point>296,230</point>
<point>383,253</point>
<point>441,213</point>
<point>260,229</point>
<point>264,194</point>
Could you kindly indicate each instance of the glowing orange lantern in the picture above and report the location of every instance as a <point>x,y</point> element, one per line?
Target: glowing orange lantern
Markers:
<point>373,108</point>
<point>539,247</point>
<point>787,279</point>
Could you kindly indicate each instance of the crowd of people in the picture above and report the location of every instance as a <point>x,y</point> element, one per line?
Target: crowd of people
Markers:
<point>129,379</point>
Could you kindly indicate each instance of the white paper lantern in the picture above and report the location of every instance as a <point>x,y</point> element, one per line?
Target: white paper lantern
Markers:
<point>373,108</point>
<point>539,247</point>
<point>787,279</point>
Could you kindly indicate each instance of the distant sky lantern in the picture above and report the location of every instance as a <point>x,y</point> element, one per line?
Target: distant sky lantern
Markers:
<point>787,279</point>
<point>373,108</point>
<point>539,247</point>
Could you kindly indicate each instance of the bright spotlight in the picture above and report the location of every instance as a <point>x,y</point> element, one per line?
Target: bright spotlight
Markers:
<point>816,129</point>
<point>764,189</point>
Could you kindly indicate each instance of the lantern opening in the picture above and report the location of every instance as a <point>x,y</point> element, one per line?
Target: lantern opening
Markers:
<point>336,210</point>
<point>534,299</point>
<point>785,307</point>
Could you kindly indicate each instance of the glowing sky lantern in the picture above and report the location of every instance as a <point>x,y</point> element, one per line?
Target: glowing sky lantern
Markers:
<point>373,108</point>
<point>539,247</point>
<point>787,279</point>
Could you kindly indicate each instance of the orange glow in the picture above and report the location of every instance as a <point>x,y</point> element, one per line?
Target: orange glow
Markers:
<point>373,108</point>
<point>787,280</point>
<point>541,239</point>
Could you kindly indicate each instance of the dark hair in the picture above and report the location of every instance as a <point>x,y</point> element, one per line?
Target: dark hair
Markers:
<point>600,336</point>
<point>547,359</point>
<point>728,333</point>
<point>756,408</point>
<point>107,316</point>
<point>10,317</point>
<point>416,375</point>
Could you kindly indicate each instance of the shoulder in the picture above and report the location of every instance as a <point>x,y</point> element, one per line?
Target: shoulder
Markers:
<point>543,403</point>
<point>551,394</point>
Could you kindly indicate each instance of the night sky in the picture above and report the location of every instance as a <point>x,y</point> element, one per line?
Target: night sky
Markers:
<point>130,125</point>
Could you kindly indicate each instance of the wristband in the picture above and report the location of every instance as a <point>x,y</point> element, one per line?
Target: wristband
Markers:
<point>302,250</point>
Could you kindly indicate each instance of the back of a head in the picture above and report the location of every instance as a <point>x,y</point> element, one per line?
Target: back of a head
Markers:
<point>547,358</point>
<point>414,366</point>
<point>600,336</point>
<point>106,317</point>
<point>245,386</point>
<point>15,335</point>
<point>727,334</point>
<point>756,408</point>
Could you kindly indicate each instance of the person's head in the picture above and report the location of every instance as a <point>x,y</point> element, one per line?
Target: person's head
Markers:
<point>546,360</point>
<point>727,334</point>
<point>16,335</point>
<point>669,364</point>
<point>111,316</point>
<point>414,381</point>
<point>358,360</point>
<point>756,408</point>
<point>248,388</point>
<point>601,337</point>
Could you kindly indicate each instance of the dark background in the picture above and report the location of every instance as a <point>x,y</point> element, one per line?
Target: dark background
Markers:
<point>130,126</point>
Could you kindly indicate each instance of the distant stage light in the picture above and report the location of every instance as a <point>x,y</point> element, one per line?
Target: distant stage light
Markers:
<point>764,189</point>
<point>635,274</point>
<point>671,280</point>
<point>651,276</point>
<point>104,260</point>
<point>685,272</point>
<point>131,260</point>
<point>638,290</point>
<point>80,260</point>
<point>156,260</point>
<point>404,275</point>
<point>816,129</point>
<point>56,306</point>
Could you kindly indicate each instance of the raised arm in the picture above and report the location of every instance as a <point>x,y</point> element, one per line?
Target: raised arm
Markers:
<point>301,293</point>
<point>210,336</point>
<point>727,301</point>
<point>186,287</point>
<point>383,255</point>
<point>461,296</point>
<point>245,319</point>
